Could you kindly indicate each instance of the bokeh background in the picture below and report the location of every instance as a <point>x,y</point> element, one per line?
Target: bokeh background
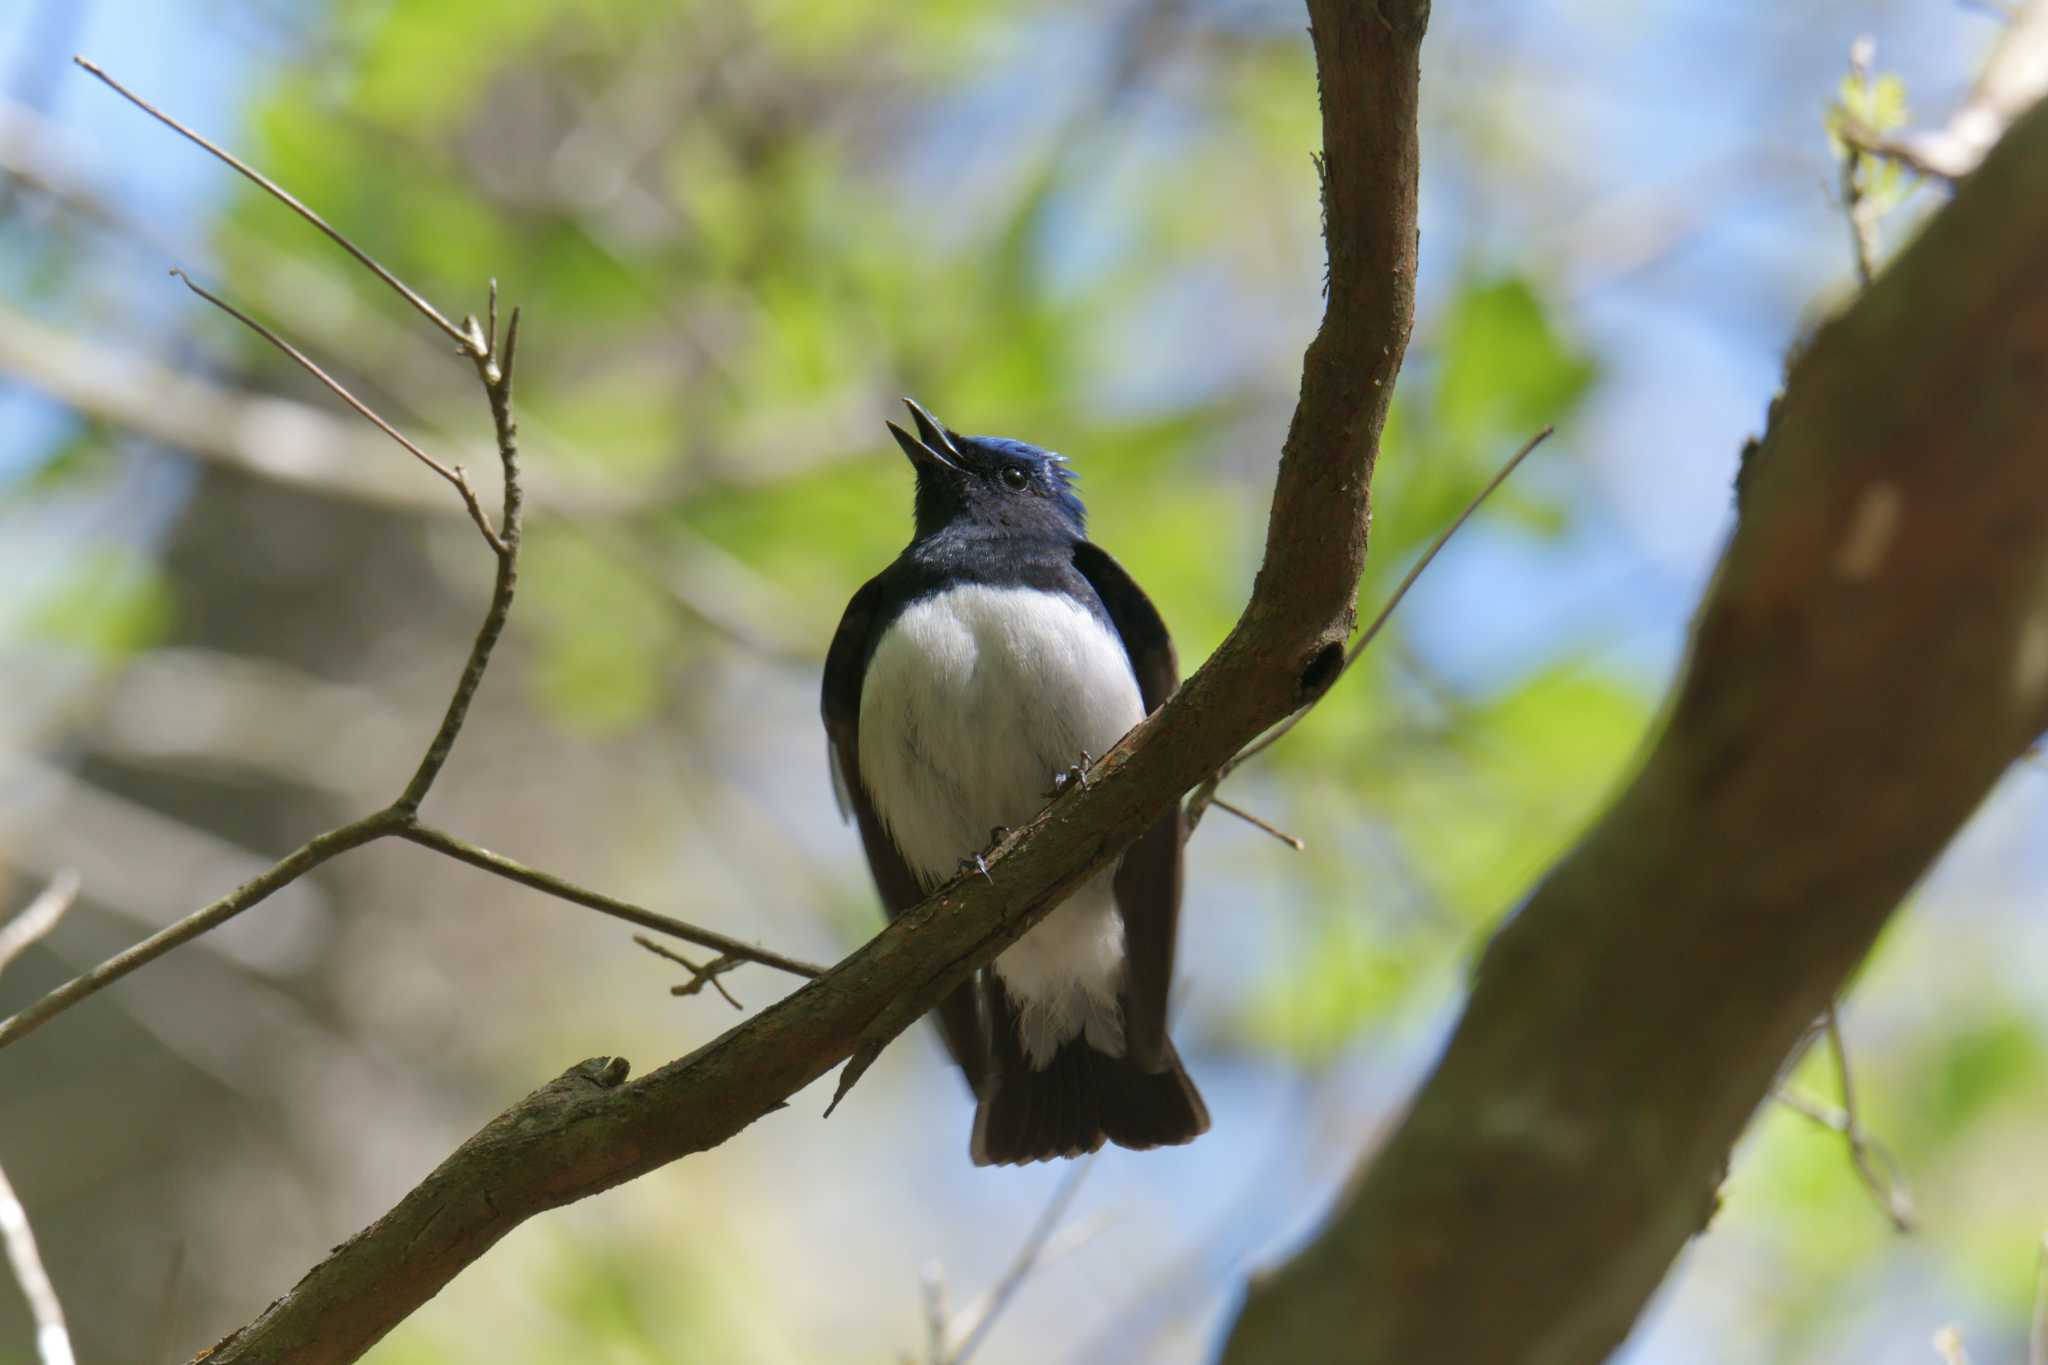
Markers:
<point>230,614</point>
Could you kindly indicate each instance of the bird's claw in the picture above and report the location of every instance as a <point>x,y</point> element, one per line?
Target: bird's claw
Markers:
<point>1072,776</point>
<point>976,864</point>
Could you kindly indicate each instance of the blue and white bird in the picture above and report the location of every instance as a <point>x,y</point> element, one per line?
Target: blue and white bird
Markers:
<point>1000,649</point>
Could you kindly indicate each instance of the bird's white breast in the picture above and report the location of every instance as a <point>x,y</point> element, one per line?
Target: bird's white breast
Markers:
<point>974,699</point>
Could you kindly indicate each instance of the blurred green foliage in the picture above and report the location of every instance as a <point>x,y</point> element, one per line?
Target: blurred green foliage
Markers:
<point>1874,106</point>
<point>107,604</point>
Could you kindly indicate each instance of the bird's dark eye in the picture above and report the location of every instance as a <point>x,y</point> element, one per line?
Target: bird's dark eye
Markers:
<point>1014,478</point>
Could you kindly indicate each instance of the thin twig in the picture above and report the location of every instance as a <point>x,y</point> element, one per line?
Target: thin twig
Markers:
<point>463,851</point>
<point>1887,1186</point>
<point>1205,794</point>
<point>389,822</point>
<point>495,370</point>
<point>257,889</point>
<point>467,340</point>
<point>700,977</point>
<point>452,473</point>
<point>1027,1257</point>
<point>53,1339</point>
<point>39,917</point>
<point>1256,823</point>
<point>1859,136</point>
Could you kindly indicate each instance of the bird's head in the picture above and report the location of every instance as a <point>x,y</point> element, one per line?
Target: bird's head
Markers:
<point>988,482</point>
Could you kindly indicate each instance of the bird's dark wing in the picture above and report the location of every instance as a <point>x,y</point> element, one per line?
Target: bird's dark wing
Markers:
<point>1148,881</point>
<point>845,665</point>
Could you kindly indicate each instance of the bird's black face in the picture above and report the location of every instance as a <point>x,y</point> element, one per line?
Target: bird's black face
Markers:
<point>988,482</point>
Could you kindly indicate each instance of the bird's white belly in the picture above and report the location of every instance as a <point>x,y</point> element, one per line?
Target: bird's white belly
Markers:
<point>974,700</point>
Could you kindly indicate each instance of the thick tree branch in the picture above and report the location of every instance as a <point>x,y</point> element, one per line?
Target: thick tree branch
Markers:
<point>1872,655</point>
<point>588,1132</point>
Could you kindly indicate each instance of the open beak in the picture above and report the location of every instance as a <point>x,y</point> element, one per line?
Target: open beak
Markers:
<point>932,444</point>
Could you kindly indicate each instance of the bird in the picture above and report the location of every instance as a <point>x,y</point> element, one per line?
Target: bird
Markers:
<point>968,683</point>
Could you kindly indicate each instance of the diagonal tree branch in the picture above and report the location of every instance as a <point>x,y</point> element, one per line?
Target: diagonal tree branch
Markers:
<point>589,1130</point>
<point>1871,657</point>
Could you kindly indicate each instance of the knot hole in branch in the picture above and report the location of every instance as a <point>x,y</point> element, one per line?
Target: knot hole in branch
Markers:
<point>1318,673</point>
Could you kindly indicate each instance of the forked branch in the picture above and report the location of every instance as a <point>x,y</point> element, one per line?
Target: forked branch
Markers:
<point>494,360</point>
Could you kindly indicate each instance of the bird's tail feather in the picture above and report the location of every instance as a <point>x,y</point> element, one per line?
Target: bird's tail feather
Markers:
<point>1080,1099</point>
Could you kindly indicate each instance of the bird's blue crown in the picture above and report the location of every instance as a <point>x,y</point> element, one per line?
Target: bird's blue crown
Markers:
<point>1060,476</point>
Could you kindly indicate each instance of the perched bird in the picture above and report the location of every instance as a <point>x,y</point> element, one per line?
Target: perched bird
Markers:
<point>967,683</point>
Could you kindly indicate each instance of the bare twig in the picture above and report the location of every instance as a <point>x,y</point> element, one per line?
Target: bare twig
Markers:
<point>1005,1289</point>
<point>494,367</point>
<point>452,473</point>
<point>700,977</point>
<point>1866,1151</point>
<point>38,917</point>
<point>1205,794</point>
<point>389,822</point>
<point>1861,137</point>
<point>294,444</point>
<point>1879,1170</point>
<point>53,1339</point>
<point>469,341</point>
<point>510,870</point>
<point>282,873</point>
<point>1256,823</point>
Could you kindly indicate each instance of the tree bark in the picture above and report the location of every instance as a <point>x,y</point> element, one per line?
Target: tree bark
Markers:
<point>1872,655</point>
<point>590,1130</point>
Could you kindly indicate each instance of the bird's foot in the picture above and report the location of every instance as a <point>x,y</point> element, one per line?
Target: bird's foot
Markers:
<point>978,863</point>
<point>1072,776</point>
